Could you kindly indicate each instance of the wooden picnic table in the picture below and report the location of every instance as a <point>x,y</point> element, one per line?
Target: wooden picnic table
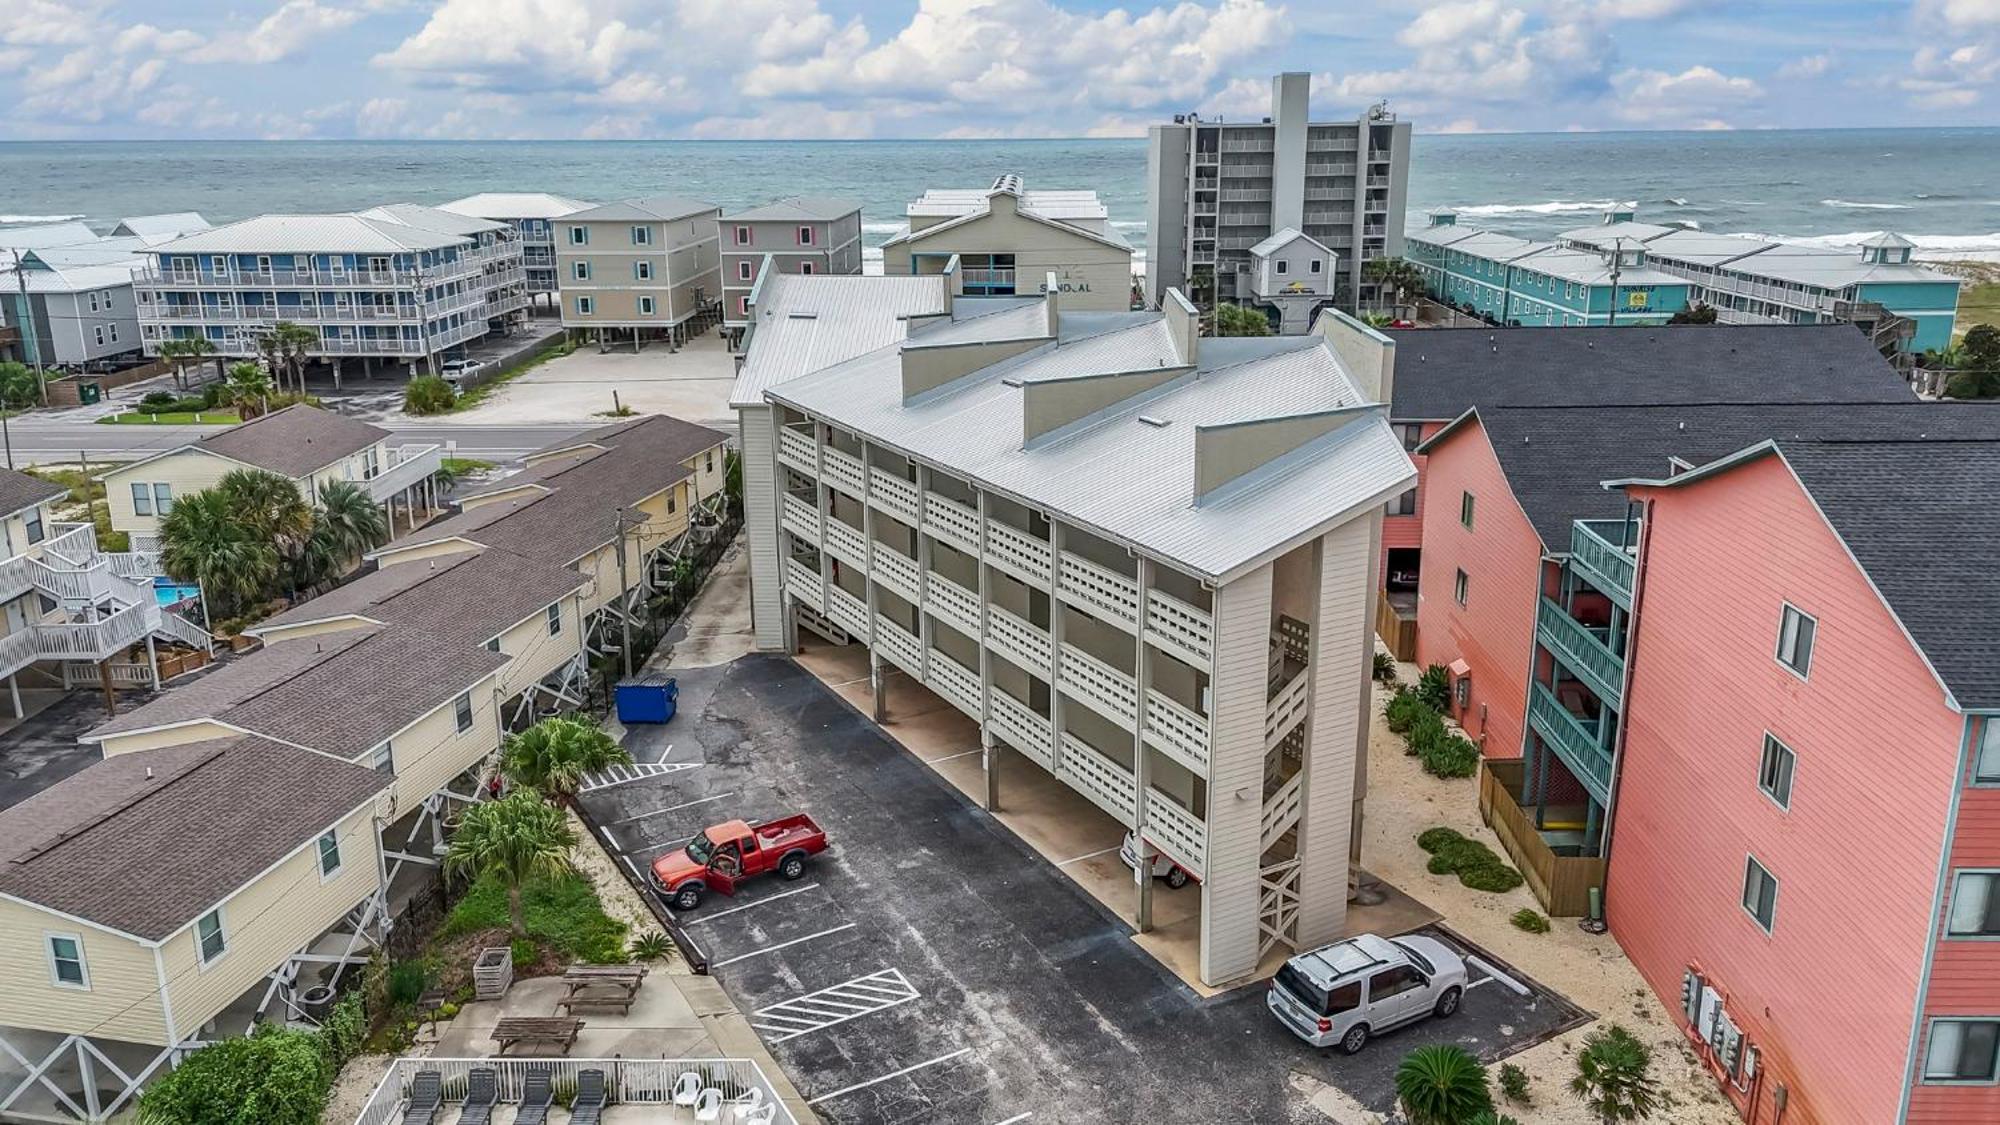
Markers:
<point>618,986</point>
<point>537,1031</point>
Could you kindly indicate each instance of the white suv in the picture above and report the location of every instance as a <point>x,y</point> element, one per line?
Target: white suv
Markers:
<point>1363,986</point>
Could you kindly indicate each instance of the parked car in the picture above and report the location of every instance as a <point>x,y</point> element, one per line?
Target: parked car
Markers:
<point>1163,868</point>
<point>459,372</point>
<point>726,854</point>
<point>1363,986</point>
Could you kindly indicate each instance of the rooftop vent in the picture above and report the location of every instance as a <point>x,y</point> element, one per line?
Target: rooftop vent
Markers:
<point>1152,421</point>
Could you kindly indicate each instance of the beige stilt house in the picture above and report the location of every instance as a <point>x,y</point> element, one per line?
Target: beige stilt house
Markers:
<point>1140,559</point>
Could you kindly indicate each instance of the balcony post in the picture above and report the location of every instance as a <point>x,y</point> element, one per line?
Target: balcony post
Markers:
<point>1142,872</point>
<point>986,758</point>
<point>1055,646</point>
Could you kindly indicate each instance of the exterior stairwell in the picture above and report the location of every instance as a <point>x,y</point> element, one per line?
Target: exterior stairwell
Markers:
<point>106,602</point>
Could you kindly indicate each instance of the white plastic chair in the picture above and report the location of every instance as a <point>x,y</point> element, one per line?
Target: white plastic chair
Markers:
<point>687,1088</point>
<point>750,1104</point>
<point>708,1106</point>
<point>762,1115</point>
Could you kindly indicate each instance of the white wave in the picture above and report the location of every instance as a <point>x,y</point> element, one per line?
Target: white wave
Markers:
<point>1677,201</point>
<point>1552,207</point>
<point>882,228</point>
<point>1746,202</point>
<point>1928,245</point>
<point>39,218</point>
<point>1129,224</point>
<point>1852,205</point>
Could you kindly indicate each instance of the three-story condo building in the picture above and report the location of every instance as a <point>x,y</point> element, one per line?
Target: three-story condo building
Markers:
<point>1139,559</point>
<point>1010,238</point>
<point>800,234</point>
<point>1216,189</point>
<point>400,283</point>
<point>1516,282</point>
<point>639,270</point>
<point>533,216</point>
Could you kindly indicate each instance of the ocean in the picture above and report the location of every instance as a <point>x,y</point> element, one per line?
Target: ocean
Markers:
<point>1940,187</point>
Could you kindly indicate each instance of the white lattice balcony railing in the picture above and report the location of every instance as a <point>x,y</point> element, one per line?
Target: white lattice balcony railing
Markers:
<point>954,604</point>
<point>846,610</point>
<point>900,646</point>
<point>893,495</point>
<point>796,448</point>
<point>843,471</point>
<point>1017,640</point>
<point>844,542</point>
<point>1109,785</point>
<point>897,571</point>
<point>1176,831</point>
<point>952,522</point>
<point>1099,686</point>
<point>1017,553</point>
<point>800,518</point>
<point>1178,732</point>
<point>1100,591</point>
<point>805,584</point>
<point>954,682</point>
<point>1281,811</point>
<point>1179,628</point>
<point>1023,729</point>
<point>1285,710</point>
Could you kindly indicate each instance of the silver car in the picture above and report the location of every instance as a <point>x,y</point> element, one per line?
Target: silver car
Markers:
<point>1366,985</point>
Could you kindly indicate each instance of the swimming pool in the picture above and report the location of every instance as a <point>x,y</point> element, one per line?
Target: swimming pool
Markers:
<point>168,592</point>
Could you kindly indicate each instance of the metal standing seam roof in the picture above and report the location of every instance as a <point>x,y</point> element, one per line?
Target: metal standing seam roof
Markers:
<point>146,842</point>
<point>1108,237</point>
<point>295,441</point>
<point>1129,471</point>
<point>804,323</point>
<point>100,252</point>
<point>67,279</point>
<point>169,225</point>
<point>434,219</point>
<point>1283,238</point>
<point>463,598</point>
<point>332,233</point>
<point>652,210</point>
<point>1061,204</point>
<point>516,205</point>
<point>45,234</point>
<point>798,208</point>
<point>1590,268</point>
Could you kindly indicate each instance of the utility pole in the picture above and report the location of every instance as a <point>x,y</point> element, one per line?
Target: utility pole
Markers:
<point>625,587</point>
<point>1617,264</point>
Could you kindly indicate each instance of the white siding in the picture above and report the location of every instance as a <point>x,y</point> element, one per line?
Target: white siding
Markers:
<point>1342,646</point>
<point>1230,892</point>
<point>760,507</point>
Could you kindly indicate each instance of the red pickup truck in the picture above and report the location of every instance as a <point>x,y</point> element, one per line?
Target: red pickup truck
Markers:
<point>726,854</point>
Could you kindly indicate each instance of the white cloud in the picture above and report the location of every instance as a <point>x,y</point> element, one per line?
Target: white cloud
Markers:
<point>1811,66</point>
<point>523,44</point>
<point>1486,51</point>
<point>1694,98</point>
<point>44,23</point>
<point>1958,74</point>
<point>1962,13</point>
<point>286,31</point>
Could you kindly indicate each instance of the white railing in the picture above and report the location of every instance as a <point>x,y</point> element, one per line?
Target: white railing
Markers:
<point>845,543</point>
<point>1180,733</point>
<point>953,603</point>
<point>1285,710</point>
<point>957,684</point>
<point>1107,594</point>
<point>843,471</point>
<point>122,675</point>
<point>1176,831</point>
<point>975,275</point>
<point>1281,811</point>
<point>800,518</point>
<point>627,1082</point>
<point>1017,553</point>
<point>805,584</point>
<point>897,571</point>
<point>1017,640</point>
<point>95,640</point>
<point>17,651</point>
<point>893,495</point>
<point>17,576</point>
<point>136,564</point>
<point>75,542</point>
<point>847,611</point>
<point>408,465</point>
<point>795,448</point>
<point>1179,628</point>
<point>1023,729</point>
<point>952,522</point>
<point>1109,785</point>
<point>1098,685</point>
<point>900,646</point>
<point>184,631</point>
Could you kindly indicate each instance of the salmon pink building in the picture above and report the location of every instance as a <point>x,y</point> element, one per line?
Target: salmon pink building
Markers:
<point>1808,794</point>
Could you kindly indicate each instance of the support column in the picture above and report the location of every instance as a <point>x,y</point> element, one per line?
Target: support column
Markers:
<point>152,662</point>
<point>989,760</point>
<point>1231,891</point>
<point>986,760</point>
<point>14,693</point>
<point>1141,772</point>
<point>880,712</point>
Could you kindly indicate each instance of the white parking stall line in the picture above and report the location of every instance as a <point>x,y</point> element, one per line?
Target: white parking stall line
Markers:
<point>612,840</point>
<point>1091,855</point>
<point>673,808</point>
<point>780,945</point>
<point>667,753</point>
<point>1016,1119</point>
<point>750,905</point>
<point>951,757</point>
<point>888,1076</point>
<point>633,868</point>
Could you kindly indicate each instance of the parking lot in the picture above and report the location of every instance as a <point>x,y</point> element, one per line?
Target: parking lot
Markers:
<point>932,967</point>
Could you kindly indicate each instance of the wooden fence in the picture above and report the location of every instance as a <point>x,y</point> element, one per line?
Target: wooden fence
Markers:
<point>1562,883</point>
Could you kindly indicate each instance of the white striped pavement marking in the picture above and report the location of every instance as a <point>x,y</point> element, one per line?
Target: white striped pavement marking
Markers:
<point>620,775</point>
<point>816,1011</point>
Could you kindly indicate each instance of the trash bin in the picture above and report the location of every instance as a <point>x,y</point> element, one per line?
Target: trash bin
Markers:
<point>651,698</point>
<point>89,394</point>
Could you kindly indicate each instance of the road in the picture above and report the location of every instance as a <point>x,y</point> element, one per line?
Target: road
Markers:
<point>48,440</point>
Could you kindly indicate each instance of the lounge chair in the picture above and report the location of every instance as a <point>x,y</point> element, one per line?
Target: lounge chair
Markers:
<point>537,1094</point>
<point>482,1091</point>
<point>426,1098</point>
<point>590,1099</point>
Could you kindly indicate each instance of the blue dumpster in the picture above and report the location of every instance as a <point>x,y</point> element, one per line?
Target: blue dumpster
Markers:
<point>650,698</point>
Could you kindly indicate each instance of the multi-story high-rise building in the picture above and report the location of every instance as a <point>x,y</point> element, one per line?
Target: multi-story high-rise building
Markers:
<point>532,215</point>
<point>1218,188</point>
<point>1141,560</point>
<point>639,270</point>
<point>800,234</point>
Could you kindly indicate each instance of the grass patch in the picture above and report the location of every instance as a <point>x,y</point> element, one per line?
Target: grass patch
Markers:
<point>84,492</point>
<point>173,418</point>
<point>1529,921</point>
<point>564,918</point>
<point>464,466</point>
<point>479,394</point>
<point>1453,853</point>
<point>1978,304</point>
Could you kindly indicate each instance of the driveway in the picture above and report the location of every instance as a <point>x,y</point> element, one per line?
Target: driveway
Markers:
<point>931,967</point>
<point>43,749</point>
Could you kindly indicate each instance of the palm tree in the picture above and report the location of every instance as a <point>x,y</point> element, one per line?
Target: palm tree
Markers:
<point>1397,275</point>
<point>349,519</point>
<point>552,756</point>
<point>203,542</point>
<point>249,388</point>
<point>270,509</point>
<point>1611,1077</point>
<point>1441,1085</point>
<point>18,386</point>
<point>183,350</point>
<point>515,839</point>
<point>1237,320</point>
<point>294,341</point>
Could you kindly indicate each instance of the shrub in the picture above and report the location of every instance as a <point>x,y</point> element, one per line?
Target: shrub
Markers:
<point>407,980</point>
<point>1434,688</point>
<point>1612,1079</point>
<point>1529,920</point>
<point>158,401</point>
<point>1385,667</point>
<point>1427,731</point>
<point>1405,710</point>
<point>275,1077</point>
<point>524,951</point>
<point>345,1029</point>
<point>1441,1085</point>
<point>1450,756</point>
<point>214,395</point>
<point>1471,860</point>
<point>1439,838</point>
<point>651,946</point>
<point>1495,877</point>
<point>1514,1084</point>
<point>428,394</point>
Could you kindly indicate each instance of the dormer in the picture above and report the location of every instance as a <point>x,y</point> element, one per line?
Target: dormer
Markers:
<point>1442,217</point>
<point>1621,214</point>
<point>1887,249</point>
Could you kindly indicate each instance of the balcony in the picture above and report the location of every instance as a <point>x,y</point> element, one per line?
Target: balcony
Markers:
<point>898,572</point>
<point>1099,686</point>
<point>844,542</point>
<point>1604,552</point>
<point>894,495</point>
<point>1179,628</point>
<point>800,518</point>
<point>1023,728</point>
<point>951,521</point>
<point>1018,553</point>
<point>796,448</point>
<point>953,604</point>
<point>1109,785</point>
<point>1100,591</point>
<point>1572,741</point>
<point>1020,642</point>
<point>408,465</point>
<point>979,275</point>
<point>805,584</point>
<point>900,646</point>
<point>846,610</point>
<point>953,682</point>
<point>843,471</point>
<point>1582,651</point>
<point>1562,882</point>
<point>1176,831</point>
<point>1177,732</point>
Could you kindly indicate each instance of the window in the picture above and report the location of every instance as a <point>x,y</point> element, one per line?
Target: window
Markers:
<point>805,236</point>
<point>1962,1051</point>
<point>1975,905</point>
<point>1774,776</point>
<point>493,645</point>
<point>1404,505</point>
<point>1465,510</point>
<point>642,270</point>
<point>33,521</point>
<point>383,758</point>
<point>555,619</point>
<point>208,937</point>
<point>580,270</point>
<point>585,306</point>
<point>807,268</point>
<point>113,329</point>
<point>1987,767</point>
<point>646,306</point>
<point>93,302</point>
<point>1315,266</point>
<point>66,967</point>
<point>1393,982</point>
<point>1413,435</point>
<point>1458,588</point>
<point>708,462</point>
<point>579,236</point>
<point>745,271</point>
<point>1760,893</point>
<point>1284,266</point>
<point>329,855</point>
<point>742,236</point>
<point>743,306</point>
<point>1795,640</point>
<point>642,236</point>
<point>99,335</point>
<point>461,712</point>
<point>163,497</point>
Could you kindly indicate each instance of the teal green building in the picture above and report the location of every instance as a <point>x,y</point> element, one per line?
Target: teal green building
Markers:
<point>1515,281</point>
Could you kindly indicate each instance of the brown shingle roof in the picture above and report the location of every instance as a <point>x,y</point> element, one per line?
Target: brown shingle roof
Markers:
<point>463,598</point>
<point>19,490</point>
<point>294,441</point>
<point>144,843</point>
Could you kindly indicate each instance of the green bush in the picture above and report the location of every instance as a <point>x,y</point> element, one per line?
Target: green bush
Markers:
<point>1405,710</point>
<point>1450,756</point>
<point>345,1029</point>
<point>1426,732</point>
<point>1496,877</point>
<point>651,946</point>
<point>214,395</point>
<point>1434,688</point>
<point>1385,667</point>
<point>158,401</point>
<point>1439,838</point>
<point>1514,1084</point>
<point>407,980</point>
<point>524,951</point>
<point>428,394</point>
<point>563,914</point>
<point>277,1076</point>
<point>1529,920</point>
<point>1471,860</point>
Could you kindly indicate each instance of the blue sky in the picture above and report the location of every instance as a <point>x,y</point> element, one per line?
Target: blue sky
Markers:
<point>99,69</point>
